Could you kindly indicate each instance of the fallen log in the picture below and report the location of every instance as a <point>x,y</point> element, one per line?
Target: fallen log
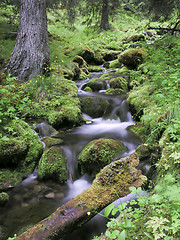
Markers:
<point>111,183</point>
<point>164,29</point>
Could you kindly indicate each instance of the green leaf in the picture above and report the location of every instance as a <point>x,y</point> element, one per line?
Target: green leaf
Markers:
<point>148,235</point>
<point>108,210</point>
<point>122,235</point>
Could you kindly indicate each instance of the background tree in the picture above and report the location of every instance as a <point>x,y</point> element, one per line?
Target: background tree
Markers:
<point>100,10</point>
<point>30,56</point>
<point>31,52</point>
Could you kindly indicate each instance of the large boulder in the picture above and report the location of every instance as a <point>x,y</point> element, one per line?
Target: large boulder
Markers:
<point>94,106</point>
<point>131,57</point>
<point>52,165</point>
<point>99,153</point>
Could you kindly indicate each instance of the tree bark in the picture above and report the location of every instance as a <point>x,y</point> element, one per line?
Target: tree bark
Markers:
<point>111,183</point>
<point>105,16</point>
<point>31,52</point>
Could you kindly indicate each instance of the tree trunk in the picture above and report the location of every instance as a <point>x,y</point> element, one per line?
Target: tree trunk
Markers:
<point>31,52</point>
<point>105,16</point>
<point>111,183</point>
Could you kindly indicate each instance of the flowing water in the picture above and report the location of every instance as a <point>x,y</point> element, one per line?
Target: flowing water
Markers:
<point>33,200</point>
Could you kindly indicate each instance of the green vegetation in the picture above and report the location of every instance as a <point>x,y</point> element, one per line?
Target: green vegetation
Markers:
<point>153,98</point>
<point>99,153</point>
<point>52,165</point>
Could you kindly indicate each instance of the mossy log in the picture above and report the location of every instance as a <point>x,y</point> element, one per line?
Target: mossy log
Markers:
<point>111,183</point>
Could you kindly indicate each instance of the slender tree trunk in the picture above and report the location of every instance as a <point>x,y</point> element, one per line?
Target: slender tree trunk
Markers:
<point>31,52</point>
<point>105,15</point>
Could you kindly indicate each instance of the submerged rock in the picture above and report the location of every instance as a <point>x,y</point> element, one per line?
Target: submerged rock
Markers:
<point>94,106</point>
<point>52,165</point>
<point>98,153</point>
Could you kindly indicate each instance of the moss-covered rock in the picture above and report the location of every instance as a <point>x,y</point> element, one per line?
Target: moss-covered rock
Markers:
<point>94,106</point>
<point>12,152</point>
<point>90,56</point>
<point>68,115</point>
<point>119,82</point>
<point>49,142</point>
<point>124,72</point>
<point>149,152</point>
<point>96,84</point>
<point>94,68</point>
<point>4,197</point>
<point>116,91</point>
<point>52,165</point>
<point>81,62</point>
<point>98,153</point>
<point>22,149</point>
<point>88,89</point>
<point>139,130</point>
<point>110,55</point>
<point>107,76</point>
<point>131,57</point>
<point>115,64</point>
<point>83,75</point>
<point>135,38</point>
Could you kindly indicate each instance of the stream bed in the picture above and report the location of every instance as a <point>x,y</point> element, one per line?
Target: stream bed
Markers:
<point>33,200</point>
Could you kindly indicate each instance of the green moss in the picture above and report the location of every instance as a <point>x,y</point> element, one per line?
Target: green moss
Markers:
<point>93,68</point>
<point>94,106</point>
<point>9,178</point>
<point>131,57</point>
<point>107,76</point>
<point>123,72</point>
<point>82,75</point>
<point>139,129</point>
<point>12,152</point>
<point>115,64</point>
<point>135,38</point>
<point>69,115</point>
<point>51,141</point>
<point>87,89</point>
<point>96,84</point>
<point>98,153</point>
<point>52,165</point>
<point>4,197</point>
<point>117,91</point>
<point>119,83</point>
<point>23,137</point>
